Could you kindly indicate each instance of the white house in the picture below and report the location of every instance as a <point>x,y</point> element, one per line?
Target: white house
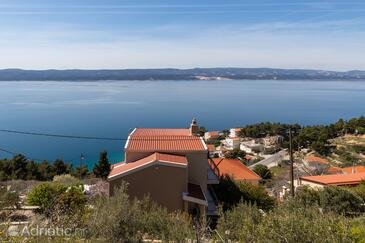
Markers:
<point>232,142</point>
<point>251,147</point>
<point>233,132</point>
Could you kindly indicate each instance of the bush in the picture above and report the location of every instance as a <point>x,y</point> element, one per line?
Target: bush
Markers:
<point>55,198</point>
<point>239,223</point>
<point>231,192</point>
<point>118,219</point>
<point>331,199</point>
<point>263,171</point>
<point>289,222</point>
<point>66,179</point>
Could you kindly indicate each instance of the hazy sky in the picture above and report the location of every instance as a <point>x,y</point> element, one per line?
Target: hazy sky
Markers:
<point>41,34</point>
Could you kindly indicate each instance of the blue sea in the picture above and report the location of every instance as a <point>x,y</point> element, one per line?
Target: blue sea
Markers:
<point>113,108</point>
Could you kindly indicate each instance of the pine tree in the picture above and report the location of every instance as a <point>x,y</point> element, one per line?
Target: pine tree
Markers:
<point>102,168</point>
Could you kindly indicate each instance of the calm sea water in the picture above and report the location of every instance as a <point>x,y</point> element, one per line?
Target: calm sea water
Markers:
<point>111,109</point>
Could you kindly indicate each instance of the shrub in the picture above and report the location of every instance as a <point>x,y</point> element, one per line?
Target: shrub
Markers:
<point>66,179</point>
<point>239,223</point>
<point>118,219</point>
<point>44,195</point>
<point>231,192</point>
<point>263,171</point>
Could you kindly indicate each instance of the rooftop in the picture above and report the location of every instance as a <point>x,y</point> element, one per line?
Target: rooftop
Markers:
<point>234,168</point>
<point>354,169</point>
<point>337,179</point>
<point>164,139</point>
<point>123,168</point>
<point>315,159</point>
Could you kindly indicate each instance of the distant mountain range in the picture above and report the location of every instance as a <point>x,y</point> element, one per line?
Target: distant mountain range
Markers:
<point>177,74</point>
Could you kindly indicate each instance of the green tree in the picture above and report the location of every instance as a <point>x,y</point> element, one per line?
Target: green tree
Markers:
<point>81,171</point>
<point>102,168</point>
<point>60,167</point>
<point>19,167</point>
<point>231,192</point>
<point>234,154</point>
<point>263,171</point>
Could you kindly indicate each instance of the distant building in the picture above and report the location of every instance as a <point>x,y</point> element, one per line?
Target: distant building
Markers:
<point>315,162</point>
<point>232,142</point>
<point>251,147</point>
<point>272,140</point>
<point>212,150</point>
<point>169,165</point>
<point>234,132</point>
<point>332,180</point>
<point>353,169</point>
<point>234,168</point>
<point>212,135</point>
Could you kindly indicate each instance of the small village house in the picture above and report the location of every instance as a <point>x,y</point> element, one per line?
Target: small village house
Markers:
<point>235,169</point>
<point>234,132</point>
<point>321,181</point>
<point>169,165</point>
<point>212,135</point>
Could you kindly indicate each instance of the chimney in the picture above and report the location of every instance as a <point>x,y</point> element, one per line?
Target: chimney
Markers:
<point>194,128</point>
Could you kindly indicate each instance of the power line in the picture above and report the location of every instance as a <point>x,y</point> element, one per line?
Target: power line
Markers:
<point>14,153</point>
<point>139,138</point>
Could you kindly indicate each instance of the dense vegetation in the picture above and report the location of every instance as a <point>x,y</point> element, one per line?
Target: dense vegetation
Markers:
<point>315,137</point>
<point>21,168</point>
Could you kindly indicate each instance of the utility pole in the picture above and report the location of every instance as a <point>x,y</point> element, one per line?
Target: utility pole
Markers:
<point>291,163</point>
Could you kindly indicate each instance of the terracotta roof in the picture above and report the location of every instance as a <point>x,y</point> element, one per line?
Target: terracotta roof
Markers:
<point>337,179</point>
<point>213,133</point>
<point>122,167</point>
<point>334,169</point>
<point>354,169</point>
<point>237,129</point>
<point>165,139</point>
<point>234,168</point>
<point>315,159</point>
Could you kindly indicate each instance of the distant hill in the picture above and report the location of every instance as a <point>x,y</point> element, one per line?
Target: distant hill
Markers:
<point>177,74</point>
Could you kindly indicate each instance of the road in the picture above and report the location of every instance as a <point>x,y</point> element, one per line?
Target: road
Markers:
<point>272,160</point>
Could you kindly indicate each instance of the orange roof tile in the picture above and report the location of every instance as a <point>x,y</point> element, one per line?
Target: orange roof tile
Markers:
<point>213,133</point>
<point>234,168</point>
<point>315,159</point>
<point>337,179</point>
<point>354,169</point>
<point>122,167</point>
<point>155,139</point>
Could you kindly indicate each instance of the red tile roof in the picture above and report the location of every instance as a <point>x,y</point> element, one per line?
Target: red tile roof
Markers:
<point>213,133</point>
<point>234,168</point>
<point>315,159</point>
<point>165,139</point>
<point>122,167</point>
<point>338,179</point>
<point>355,169</point>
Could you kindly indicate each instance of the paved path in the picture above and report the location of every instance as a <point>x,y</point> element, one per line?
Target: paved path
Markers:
<point>272,160</point>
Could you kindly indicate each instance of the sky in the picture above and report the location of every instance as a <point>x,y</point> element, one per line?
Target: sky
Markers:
<point>118,34</point>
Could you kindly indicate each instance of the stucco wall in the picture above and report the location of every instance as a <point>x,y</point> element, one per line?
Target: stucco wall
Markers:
<point>164,184</point>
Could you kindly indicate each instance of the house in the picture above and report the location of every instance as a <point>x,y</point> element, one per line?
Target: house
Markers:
<point>234,168</point>
<point>269,141</point>
<point>353,169</point>
<point>315,162</point>
<point>169,165</point>
<point>232,143</point>
<point>212,135</point>
<point>251,147</point>
<point>332,180</point>
<point>234,132</point>
<point>212,150</point>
